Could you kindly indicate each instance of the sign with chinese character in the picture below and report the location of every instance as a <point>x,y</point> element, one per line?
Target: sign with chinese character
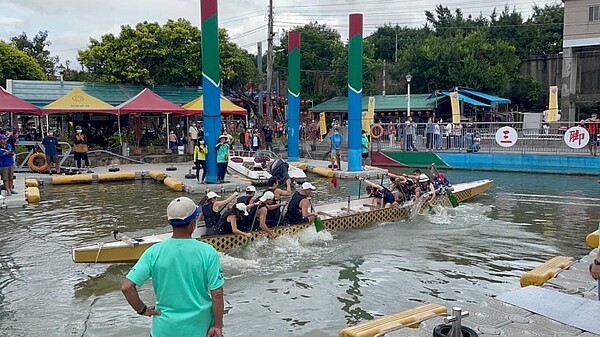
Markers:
<point>577,137</point>
<point>506,136</point>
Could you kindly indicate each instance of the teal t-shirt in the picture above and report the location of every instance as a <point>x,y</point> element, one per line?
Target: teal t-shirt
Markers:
<point>183,272</point>
<point>223,153</point>
<point>365,145</point>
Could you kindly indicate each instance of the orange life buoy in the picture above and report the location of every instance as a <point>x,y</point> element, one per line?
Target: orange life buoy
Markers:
<point>378,134</point>
<point>37,168</point>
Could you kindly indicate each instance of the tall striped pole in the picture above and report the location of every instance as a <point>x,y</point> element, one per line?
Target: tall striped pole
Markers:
<point>294,96</point>
<point>355,66</point>
<point>211,84</point>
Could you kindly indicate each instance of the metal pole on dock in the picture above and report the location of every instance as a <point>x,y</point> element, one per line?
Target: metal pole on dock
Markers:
<point>294,96</point>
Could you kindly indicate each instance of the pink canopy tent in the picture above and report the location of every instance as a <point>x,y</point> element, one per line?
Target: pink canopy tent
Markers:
<point>149,102</point>
<point>12,103</point>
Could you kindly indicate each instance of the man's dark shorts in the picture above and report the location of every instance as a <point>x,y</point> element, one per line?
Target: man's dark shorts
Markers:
<point>365,155</point>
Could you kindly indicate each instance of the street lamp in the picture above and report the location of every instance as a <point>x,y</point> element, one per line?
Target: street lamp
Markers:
<point>61,72</point>
<point>408,78</point>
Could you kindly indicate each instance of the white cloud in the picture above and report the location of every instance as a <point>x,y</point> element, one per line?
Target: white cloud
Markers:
<point>71,23</point>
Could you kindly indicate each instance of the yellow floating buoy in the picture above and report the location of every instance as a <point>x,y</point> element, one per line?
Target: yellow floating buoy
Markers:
<point>116,176</point>
<point>409,318</point>
<point>174,184</point>
<point>74,179</point>
<point>32,195</point>
<point>592,239</point>
<point>324,172</point>
<point>157,175</point>
<point>546,271</point>
<point>32,182</point>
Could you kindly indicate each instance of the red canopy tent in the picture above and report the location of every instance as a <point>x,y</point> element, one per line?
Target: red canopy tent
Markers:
<point>149,102</point>
<point>12,103</point>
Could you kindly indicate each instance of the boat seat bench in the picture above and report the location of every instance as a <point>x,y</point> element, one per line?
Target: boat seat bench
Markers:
<point>407,318</point>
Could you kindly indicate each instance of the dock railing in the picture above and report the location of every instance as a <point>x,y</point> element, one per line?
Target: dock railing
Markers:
<point>548,138</point>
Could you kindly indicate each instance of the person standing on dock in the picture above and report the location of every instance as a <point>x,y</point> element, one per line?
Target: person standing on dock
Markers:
<point>80,149</point>
<point>50,143</point>
<point>186,276</point>
<point>223,148</point>
<point>336,149</point>
<point>200,151</point>
<point>592,127</point>
<point>364,149</point>
<point>7,163</point>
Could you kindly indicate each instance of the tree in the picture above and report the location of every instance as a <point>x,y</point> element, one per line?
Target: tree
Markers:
<point>15,64</point>
<point>384,40</point>
<point>525,91</point>
<point>546,26</point>
<point>151,54</point>
<point>36,48</point>
<point>320,46</point>
<point>370,69</point>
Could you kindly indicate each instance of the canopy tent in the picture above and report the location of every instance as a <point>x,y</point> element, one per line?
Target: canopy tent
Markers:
<point>11,103</point>
<point>227,107</point>
<point>149,102</point>
<point>487,97</point>
<point>78,100</point>
<point>466,99</point>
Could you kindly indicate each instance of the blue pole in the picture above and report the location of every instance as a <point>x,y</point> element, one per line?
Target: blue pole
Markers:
<point>355,65</point>
<point>294,96</point>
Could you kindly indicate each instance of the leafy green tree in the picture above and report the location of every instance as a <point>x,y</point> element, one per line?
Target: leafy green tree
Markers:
<point>447,24</point>
<point>525,92</point>
<point>546,27</point>
<point>321,45</point>
<point>370,70</point>
<point>164,55</point>
<point>37,48</point>
<point>384,40</point>
<point>15,64</point>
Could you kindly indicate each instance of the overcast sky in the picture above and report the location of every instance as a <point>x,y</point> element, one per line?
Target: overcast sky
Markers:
<point>71,23</point>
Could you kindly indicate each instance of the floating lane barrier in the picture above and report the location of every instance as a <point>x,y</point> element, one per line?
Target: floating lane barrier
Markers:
<point>546,271</point>
<point>74,179</point>
<point>408,318</point>
<point>32,195</point>
<point>116,176</point>
<point>592,239</point>
<point>157,175</point>
<point>30,182</point>
<point>174,184</point>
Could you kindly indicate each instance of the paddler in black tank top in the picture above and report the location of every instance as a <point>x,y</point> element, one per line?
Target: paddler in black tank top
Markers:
<point>263,214</point>
<point>298,207</point>
<point>231,218</point>
<point>275,207</point>
<point>211,210</point>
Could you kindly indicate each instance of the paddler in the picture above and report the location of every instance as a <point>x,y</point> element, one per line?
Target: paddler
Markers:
<point>425,187</point>
<point>211,210</point>
<point>440,182</point>
<point>275,207</point>
<point>297,211</point>
<point>265,221</point>
<point>402,187</point>
<point>233,219</point>
<point>381,195</point>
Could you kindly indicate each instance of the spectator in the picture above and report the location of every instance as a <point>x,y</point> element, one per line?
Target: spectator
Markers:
<point>50,143</point>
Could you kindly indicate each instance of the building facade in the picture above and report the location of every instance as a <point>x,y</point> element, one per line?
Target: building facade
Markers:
<point>581,56</point>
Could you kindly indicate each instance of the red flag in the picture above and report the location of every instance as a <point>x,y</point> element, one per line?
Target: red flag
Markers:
<point>334,181</point>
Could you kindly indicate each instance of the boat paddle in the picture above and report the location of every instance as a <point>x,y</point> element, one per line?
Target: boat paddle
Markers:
<point>255,214</point>
<point>318,223</point>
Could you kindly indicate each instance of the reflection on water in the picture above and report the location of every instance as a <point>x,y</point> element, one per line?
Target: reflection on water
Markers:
<point>311,284</point>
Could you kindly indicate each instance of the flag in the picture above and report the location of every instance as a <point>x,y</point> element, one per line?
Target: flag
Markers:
<point>369,115</point>
<point>334,181</point>
<point>322,125</point>
<point>553,104</point>
<point>455,107</point>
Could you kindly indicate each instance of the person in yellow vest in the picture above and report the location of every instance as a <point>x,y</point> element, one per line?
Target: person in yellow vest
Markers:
<point>200,151</point>
<point>80,149</point>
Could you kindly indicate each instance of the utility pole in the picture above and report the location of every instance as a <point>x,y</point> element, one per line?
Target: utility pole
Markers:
<point>260,83</point>
<point>270,63</point>
<point>384,77</point>
<point>396,50</point>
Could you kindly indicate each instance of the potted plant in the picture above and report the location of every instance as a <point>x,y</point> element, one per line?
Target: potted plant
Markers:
<point>137,126</point>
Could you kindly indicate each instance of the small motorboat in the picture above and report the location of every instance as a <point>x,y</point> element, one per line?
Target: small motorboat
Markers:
<point>257,168</point>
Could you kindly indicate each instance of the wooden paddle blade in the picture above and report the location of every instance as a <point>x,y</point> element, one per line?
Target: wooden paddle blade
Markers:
<point>452,198</point>
<point>319,226</point>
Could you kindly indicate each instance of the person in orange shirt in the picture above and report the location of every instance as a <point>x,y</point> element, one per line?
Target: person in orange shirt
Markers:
<point>592,127</point>
<point>247,140</point>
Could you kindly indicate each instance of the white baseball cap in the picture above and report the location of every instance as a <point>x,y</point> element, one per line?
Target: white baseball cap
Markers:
<point>423,178</point>
<point>308,186</point>
<point>182,211</point>
<point>267,196</point>
<point>211,195</point>
<point>250,189</point>
<point>242,207</point>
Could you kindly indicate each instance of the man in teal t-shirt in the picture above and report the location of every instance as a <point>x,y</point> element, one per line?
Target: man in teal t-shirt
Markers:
<point>187,279</point>
<point>222,158</point>
<point>365,149</point>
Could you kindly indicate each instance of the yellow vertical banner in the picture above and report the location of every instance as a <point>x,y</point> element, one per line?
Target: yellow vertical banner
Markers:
<point>455,107</point>
<point>553,104</point>
<point>322,125</point>
<point>368,119</point>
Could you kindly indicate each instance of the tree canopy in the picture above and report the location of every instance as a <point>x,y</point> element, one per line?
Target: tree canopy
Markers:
<point>15,64</point>
<point>37,49</point>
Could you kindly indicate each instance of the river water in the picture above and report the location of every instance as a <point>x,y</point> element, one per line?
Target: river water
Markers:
<point>313,284</point>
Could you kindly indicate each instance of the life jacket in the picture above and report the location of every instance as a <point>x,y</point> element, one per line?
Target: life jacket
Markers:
<point>294,211</point>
